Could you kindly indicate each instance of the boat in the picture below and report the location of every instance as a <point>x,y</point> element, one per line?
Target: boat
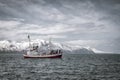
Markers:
<point>45,51</point>
<point>43,56</point>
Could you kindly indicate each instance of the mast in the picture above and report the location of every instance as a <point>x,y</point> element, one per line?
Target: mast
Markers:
<point>29,41</point>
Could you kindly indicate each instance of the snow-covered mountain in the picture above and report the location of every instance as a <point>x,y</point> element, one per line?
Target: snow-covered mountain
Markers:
<point>6,45</point>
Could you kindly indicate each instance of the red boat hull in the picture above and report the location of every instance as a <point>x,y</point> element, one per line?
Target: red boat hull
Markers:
<point>43,56</point>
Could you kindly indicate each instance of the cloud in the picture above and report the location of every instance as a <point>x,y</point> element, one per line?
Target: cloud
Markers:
<point>93,21</point>
<point>13,29</point>
<point>9,24</point>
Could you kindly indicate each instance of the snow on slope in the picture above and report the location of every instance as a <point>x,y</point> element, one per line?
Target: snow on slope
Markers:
<point>20,46</point>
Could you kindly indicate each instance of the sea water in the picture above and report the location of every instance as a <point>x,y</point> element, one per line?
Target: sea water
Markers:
<point>70,67</point>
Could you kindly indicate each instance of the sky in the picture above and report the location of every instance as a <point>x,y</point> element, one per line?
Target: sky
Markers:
<point>93,23</point>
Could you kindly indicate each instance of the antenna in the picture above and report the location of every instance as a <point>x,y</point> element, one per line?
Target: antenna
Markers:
<point>50,44</point>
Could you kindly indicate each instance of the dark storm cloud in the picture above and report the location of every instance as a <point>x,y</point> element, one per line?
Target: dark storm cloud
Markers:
<point>111,9</point>
<point>23,9</point>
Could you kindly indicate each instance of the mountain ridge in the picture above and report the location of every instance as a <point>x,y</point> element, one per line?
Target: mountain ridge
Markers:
<point>8,46</point>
